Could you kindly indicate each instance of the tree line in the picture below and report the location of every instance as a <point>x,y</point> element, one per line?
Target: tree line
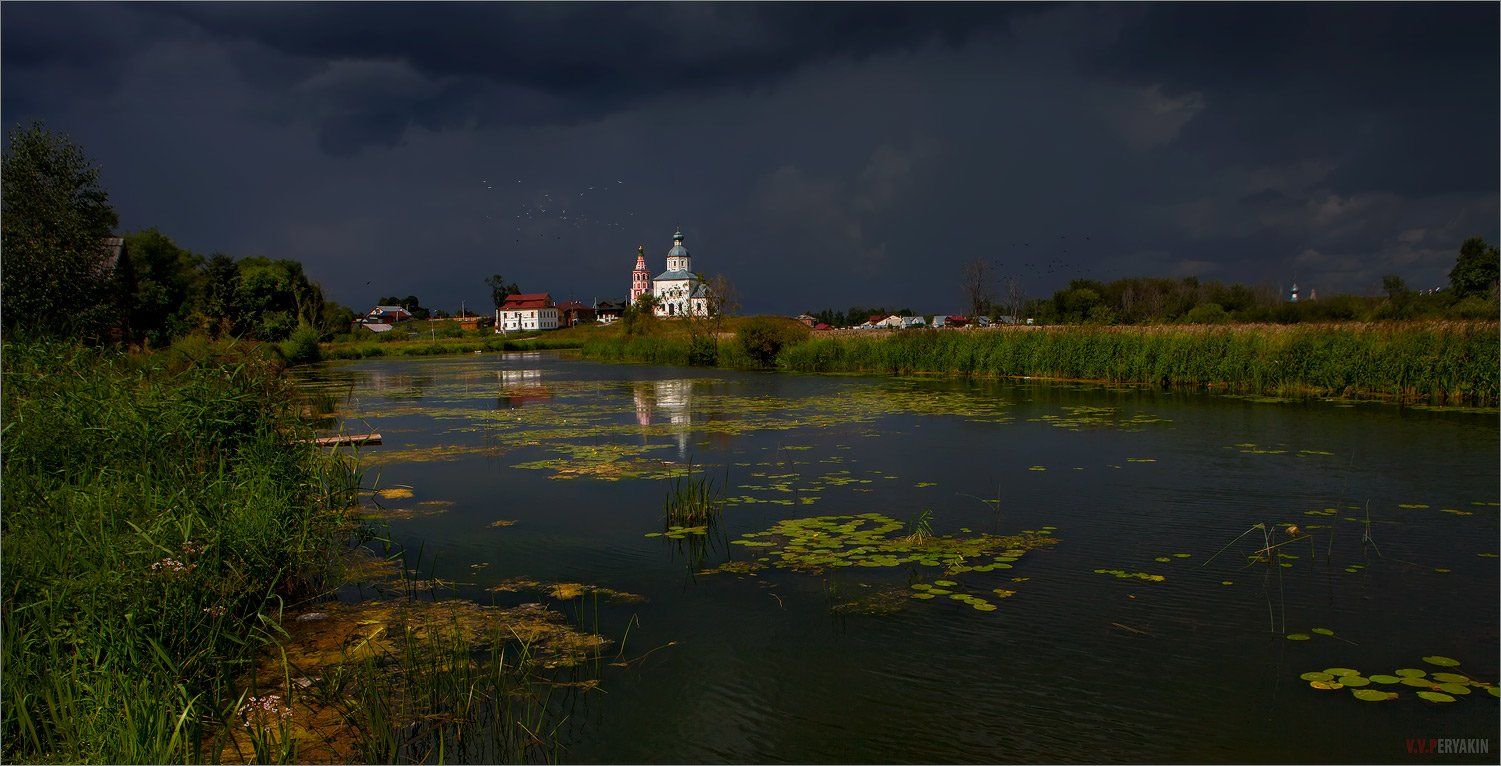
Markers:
<point>1472,294</point>
<point>63,279</point>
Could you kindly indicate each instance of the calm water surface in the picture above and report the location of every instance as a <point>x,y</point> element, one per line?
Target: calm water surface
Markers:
<point>1076,666</point>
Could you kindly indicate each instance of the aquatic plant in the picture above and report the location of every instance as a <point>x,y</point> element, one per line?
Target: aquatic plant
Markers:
<point>693,500</point>
<point>1442,687</point>
<point>872,540</point>
<point>417,681</point>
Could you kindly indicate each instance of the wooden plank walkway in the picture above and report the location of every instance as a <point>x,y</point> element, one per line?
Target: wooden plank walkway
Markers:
<point>347,439</point>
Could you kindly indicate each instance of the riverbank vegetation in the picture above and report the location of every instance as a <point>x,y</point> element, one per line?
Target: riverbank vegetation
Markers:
<point>160,511</point>
<point>1452,363</point>
<point>1445,363</point>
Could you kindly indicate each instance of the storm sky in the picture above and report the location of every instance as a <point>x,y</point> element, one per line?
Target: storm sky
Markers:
<point>817,155</point>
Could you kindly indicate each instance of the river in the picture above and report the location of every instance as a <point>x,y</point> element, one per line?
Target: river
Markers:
<point>1134,623</point>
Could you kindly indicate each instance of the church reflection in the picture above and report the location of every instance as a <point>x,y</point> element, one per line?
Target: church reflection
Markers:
<point>669,403</point>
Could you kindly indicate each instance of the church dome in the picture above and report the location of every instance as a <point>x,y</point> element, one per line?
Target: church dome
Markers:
<point>677,251</point>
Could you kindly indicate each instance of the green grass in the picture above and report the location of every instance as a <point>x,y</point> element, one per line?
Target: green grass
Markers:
<point>365,349</point>
<point>158,508</point>
<point>1448,363</point>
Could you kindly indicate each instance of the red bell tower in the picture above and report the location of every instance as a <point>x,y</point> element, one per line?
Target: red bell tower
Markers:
<point>640,277</point>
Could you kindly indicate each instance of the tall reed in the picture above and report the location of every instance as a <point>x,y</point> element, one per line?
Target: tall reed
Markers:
<point>1453,363</point>
<point>156,507</point>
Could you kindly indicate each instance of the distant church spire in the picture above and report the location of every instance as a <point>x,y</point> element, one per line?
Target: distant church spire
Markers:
<point>640,277</point>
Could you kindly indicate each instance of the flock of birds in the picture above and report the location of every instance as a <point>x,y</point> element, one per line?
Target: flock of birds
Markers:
<point>543,214</point>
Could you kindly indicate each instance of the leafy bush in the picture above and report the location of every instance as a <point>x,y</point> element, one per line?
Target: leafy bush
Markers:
<point>703,351</point>
<point>1207,313</point>
<point>302,347</point>
<point>763,338</point>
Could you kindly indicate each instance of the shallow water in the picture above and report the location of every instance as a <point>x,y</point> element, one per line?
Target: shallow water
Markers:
<point>1076,666</point>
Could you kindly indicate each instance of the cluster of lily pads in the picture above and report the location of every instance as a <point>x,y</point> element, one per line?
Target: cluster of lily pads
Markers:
<point>1124,575</point>
<point>874,540</point>
<point>1438,687</point>
<point>678,533</point>
<point>925,591</point>
<point>1082,417</point>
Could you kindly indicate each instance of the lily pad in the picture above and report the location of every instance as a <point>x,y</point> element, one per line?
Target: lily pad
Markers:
<point>1421,683</point>
<point>1494,691</point>
<point>1355,681</point>
<point>1323,631</point>
<point>1341,672</point>
<point>945,583</point>
<point>1443,662</point>
<point>1435,696</point>
<point>1410,672</point>
<point>1460,689</point>
<point>1326,685</point>
<point>1373,695</point>
<point>1451,678</point>
<point>1298,636</point>
<point>1386,679</point>
<point>1316,677</point>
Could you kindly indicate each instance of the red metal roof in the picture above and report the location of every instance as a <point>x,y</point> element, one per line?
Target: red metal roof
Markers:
<point>521,301</point>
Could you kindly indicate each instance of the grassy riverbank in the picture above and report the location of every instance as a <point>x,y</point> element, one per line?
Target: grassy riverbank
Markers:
<point>159,510</point>
<point>468,344</point>
<point>1446,363</point>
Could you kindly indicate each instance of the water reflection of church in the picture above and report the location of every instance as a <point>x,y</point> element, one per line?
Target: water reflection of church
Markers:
<point>674,400</point>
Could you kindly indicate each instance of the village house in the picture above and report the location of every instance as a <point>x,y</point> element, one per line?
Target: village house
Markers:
<point>387,315</point>
<point>526,311</point>
<point>607,312</point>
<point>571,313</point>
<point>808,320</point>
<point>470,322</point>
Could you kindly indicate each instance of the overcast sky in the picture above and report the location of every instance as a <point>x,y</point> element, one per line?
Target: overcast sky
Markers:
<point>817,155</point>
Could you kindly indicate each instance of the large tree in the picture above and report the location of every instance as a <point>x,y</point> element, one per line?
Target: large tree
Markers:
<point>222,307</point>
<point>165,287</point>
<point>500,288</point>
<point>1475,270</point>
<point>978,281</point>
<point>57,276</point>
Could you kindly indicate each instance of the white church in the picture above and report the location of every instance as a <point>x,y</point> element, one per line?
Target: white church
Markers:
<point>677,291</point>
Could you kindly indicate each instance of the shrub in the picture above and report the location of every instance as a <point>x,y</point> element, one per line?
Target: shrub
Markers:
<point>1207,313</point>
<point>764,337</point>
<point>302,347</point>
<point>703,351</point>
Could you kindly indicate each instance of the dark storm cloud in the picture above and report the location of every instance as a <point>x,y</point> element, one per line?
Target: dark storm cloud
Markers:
<point>819,154</point>
<point>1392,86</point>
<point>564,63</point>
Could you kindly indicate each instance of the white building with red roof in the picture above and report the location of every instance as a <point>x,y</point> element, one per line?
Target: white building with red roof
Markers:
<point>526,311</point>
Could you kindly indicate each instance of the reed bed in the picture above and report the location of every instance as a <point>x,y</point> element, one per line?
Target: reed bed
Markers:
<point>159,509</point>
<point>1442,363</point>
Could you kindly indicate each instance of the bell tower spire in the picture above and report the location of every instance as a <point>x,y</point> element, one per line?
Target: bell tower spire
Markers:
<point>640,277</point>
